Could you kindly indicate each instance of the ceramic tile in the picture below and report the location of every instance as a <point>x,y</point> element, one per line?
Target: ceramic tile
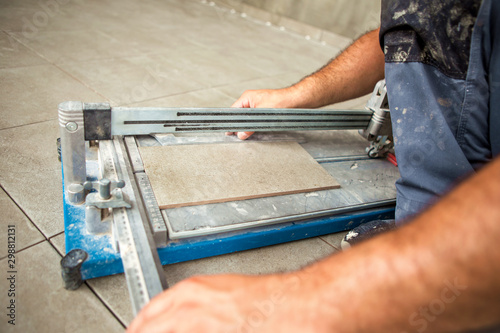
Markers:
<point>26,233</point>
<point>335,40</point>
<point>112,290</point>
<point>334,239</point>
<point>76,45</point>
<point>42,303</point>
<point>300,27</point>
<point>271,82</point>
<point>31,173</point>
<point>234,4</point>
<point>131,80</point>
<point>32,94</point>
<point>200,98</point>
<point>163,38</point>
<point>31,16</point>
<point>57,242</point>
<point>15,54</point>
<point>277,258</point>
<point>210,68</point>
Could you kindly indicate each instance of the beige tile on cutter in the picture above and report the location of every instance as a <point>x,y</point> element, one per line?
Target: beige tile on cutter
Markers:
<point>200,174</point>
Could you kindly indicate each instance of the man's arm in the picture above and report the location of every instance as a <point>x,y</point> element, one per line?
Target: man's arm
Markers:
<point>438,273</point>
<point>352,74</point>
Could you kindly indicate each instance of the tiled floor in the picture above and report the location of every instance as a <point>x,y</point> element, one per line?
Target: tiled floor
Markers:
<point>148,53</point>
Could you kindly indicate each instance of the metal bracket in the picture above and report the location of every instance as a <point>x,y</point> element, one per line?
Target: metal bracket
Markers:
<point>115,200</point>
<point>108,194</point>
<point>97,120</point>
<point>379,130</point>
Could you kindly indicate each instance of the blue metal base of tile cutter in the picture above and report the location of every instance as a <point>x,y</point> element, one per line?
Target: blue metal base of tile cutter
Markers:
<point>103,260</point>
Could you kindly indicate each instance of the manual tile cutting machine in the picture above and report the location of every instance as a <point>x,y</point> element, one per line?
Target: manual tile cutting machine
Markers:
<point>113,223</point>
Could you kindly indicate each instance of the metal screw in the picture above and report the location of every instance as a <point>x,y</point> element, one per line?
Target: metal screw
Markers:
<point>71,126</point>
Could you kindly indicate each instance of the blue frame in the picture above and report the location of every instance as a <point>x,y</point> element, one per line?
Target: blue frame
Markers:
<point>103,260</point>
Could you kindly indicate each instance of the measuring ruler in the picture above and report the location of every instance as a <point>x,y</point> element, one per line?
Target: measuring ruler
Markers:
<point>143,270</point>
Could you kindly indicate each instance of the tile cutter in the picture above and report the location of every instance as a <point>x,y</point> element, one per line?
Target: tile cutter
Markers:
<point>112,221</point>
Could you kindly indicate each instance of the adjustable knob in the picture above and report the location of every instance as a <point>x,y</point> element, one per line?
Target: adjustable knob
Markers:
<point>104,187</point>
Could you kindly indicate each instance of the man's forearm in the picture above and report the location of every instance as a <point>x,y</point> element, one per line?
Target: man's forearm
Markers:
<point>440,272</point>
<point>352,74</point>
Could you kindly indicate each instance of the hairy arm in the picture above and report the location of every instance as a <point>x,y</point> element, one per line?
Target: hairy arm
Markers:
<point>438,273</point>
<point>352,74</point>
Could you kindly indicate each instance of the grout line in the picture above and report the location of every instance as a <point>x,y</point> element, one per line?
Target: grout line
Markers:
<point>81,82</point>
<point>207,88</point>
<point>26,248</point>
<point>36,122</point>
<point>105,304</point>
<point>336,248</point>
<point>90,287</point>
<point>56,65</point>
<point>327,243</point>
<point>52,243</point>
<point>25,214</point>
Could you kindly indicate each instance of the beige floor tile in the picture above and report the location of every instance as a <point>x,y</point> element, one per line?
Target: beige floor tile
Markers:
<point>42,303</point>
<point>300,27</point>
<point>31,173</point>
<point>211,68</point>
<point>32,16</point>
<point>334,239</point>
<point>112,290</point>
<point>57,242</point>
<point>336,40</point>
<point>271,82</point>
<point>32,94</point>
<point>271,259</point>
<point>200,98</point>
<point>130,80</point>
<point>278,258</point>
<point>15,54</point>
<point>76,45</point>
<point>25,233</point>
<point>160,39</point>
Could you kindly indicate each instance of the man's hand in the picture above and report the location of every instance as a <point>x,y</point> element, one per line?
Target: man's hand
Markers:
<point>264,98</point>
<point>231,303</point>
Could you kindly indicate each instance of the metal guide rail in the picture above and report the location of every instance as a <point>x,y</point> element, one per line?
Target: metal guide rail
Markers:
<point>107,193</point>
<point>102,121</point>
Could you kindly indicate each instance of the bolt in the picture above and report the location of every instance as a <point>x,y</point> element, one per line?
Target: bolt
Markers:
<point>71,126</point>
<point>104,188</point>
